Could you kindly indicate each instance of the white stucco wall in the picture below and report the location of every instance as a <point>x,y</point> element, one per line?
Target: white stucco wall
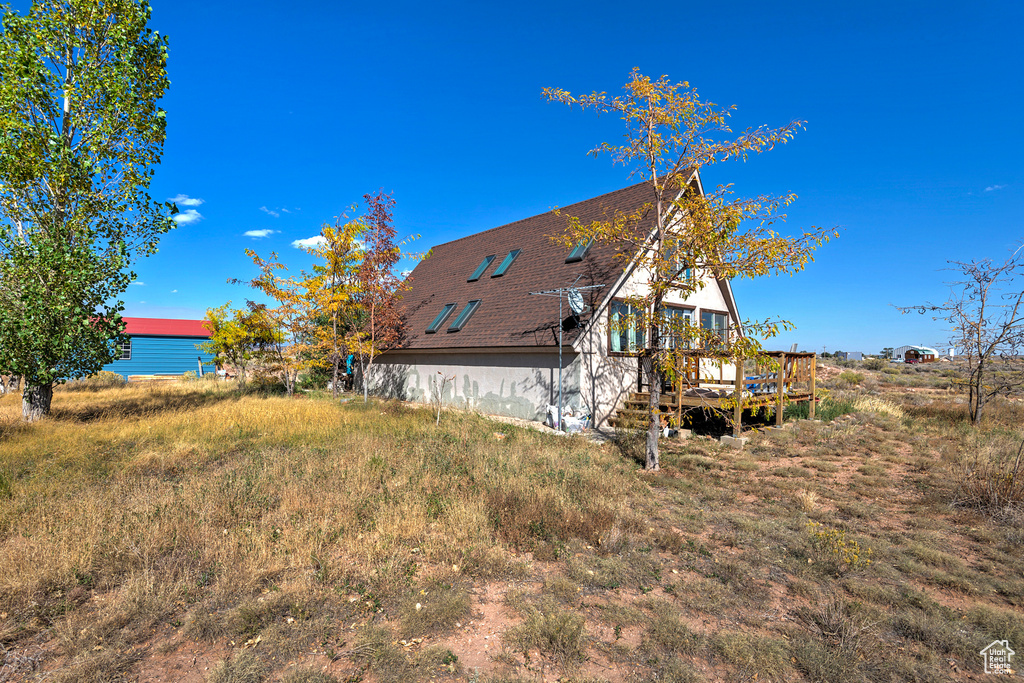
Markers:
<point>498,382</point>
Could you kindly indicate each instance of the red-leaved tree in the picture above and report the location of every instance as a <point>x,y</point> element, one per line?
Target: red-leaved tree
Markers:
<point>379,290</point>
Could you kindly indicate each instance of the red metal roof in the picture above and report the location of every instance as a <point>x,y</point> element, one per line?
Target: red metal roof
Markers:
<point>165,327</point>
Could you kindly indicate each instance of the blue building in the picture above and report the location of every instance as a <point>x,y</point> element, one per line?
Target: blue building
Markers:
<point>158,346</point>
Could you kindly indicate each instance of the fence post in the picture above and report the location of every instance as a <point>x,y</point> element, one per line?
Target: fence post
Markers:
<point>814,364</point>
<point>737,394</point>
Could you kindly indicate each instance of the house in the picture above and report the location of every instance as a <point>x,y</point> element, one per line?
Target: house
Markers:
<point>471,314</point>
<point>850,355</point>
<point>159,346</point>
<point>915,354</point>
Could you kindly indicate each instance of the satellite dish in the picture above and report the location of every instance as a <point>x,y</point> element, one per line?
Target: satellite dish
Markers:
<point>575,301</point>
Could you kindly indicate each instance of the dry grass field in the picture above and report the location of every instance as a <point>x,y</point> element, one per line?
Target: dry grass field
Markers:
<point>185,532</point>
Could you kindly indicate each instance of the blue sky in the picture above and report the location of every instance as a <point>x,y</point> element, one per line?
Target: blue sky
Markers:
<point>282,115</point>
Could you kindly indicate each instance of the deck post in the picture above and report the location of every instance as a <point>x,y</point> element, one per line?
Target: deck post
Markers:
<point>679,389</point>
<point>737,411</point>
<point>810,409</point>
<point>780,380</point>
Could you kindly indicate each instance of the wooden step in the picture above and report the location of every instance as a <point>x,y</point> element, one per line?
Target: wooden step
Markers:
<point>618,421</point>
<point>645,399</point>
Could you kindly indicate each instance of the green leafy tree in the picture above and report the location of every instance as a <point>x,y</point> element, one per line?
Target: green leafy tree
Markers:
<point>670,135</point>
<point>80,134</point>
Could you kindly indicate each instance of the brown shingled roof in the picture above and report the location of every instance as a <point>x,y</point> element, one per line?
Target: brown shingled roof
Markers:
<point>508,316</point>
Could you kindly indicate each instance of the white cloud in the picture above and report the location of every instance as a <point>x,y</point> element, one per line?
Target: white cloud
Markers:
<point>259,234</point>
<point>285,211</point>
<point>138,283</point>
<point>270,212</point>
<point>185,200</point>
<point>406,273</point>
<point>174,291</point>
<point>993,188</point>
<point>186,217</point>
<point>309,242</point>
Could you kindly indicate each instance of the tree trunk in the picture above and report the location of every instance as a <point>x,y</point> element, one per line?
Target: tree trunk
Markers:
<point>976,400</point>
<point>362,373</point>
<point>334,381</point>
<point>654,406</point>
<point>35,401</point>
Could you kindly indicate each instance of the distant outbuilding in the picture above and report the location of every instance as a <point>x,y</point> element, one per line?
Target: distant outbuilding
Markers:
<point>162,346</point>
<point>850,355</point>
<point>915,354</point>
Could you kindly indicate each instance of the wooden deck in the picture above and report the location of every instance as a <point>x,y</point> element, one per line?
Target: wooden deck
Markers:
<point>694,387</point>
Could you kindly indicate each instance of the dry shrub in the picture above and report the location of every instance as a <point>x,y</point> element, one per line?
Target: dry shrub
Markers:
<point>563,589</point>
<point>522,518</point>
<point>807,500</point>
<point>244,667</point>
<point>757,657</point>
<point>988,475</point>
<point>375,649</point>
<point>556,634</point>
<point>844,643</point>
<point>633,569</point>
<point>875,404</point>
<point>107,664</point>
<point>665,634</point>
<point>303,675</point>
<point>437,607</point>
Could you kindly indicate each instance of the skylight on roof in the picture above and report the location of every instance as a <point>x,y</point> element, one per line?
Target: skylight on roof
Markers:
<point>441,317</point>
<point>506,263</point>
<point>481,268</point>
<point>464,317</point>
<point>579,251</point>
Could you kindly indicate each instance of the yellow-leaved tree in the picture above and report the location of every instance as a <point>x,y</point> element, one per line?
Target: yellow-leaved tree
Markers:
<point>238,338</point>
<point>287,325</point>
<point>331,292</point>
<point>670,136</point>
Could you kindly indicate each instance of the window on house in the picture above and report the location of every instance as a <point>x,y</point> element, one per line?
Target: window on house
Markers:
<point>481,268</point>
<point>626,329</point>
<point>125,348</point>
<point>463,318</point>
<point>719,322</point>
<point>678,263</point>
<point>579,251</point>
<point>441,317</point>
<point>503,266</point>
<point>675,320</point>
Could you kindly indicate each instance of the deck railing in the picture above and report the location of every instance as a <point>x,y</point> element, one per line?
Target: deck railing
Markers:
<point>792,380</point>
